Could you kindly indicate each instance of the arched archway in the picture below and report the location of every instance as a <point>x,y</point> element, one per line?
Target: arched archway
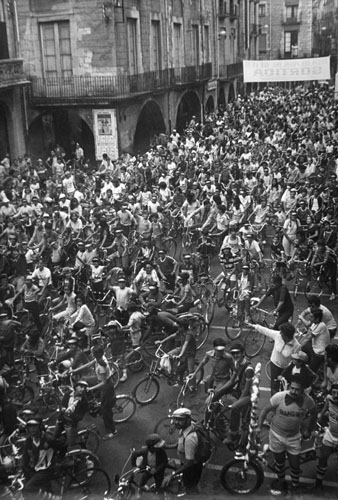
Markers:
<point>231,96</point>
<point>210,105</point>
<point>64,127</point>
<point>4,137</point>
<point>150,122</point>
<point>188,107</point>
<point>221,99</point>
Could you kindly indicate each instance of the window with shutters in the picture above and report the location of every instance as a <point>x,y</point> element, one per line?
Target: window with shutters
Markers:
<point>56,49</point>
<point>195,45</point>
<point>177,44</point>
<point>132,45</point>
<point>206,44</point>
<point>156,45</point>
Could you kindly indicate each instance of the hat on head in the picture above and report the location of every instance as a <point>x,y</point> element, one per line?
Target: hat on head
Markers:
<point>181,413</point>
<point>81,382</point>
<point>155,441</point>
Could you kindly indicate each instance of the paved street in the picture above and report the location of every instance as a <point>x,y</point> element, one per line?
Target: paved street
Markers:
<point>132,434</point>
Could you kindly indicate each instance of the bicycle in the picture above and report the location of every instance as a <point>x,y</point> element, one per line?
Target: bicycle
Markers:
<point>254,341</point>
<point>123,410</point>
<point>300,276</point>
<point>148,388</point>
<point>318,282</point>
<point>244,474</point>
<point>128,487</point>
<point>235,324</point>
<point>205,293</point>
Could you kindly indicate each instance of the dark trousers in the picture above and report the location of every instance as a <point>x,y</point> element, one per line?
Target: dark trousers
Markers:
<point>331,271</point>
<point>315,360</point>
<point>108,399</point>
<point>192,476</point>
<point>274,382</point>
<point>158,478</point>
<point>39,480</point>
<point>34,309</point>
<point>283,318</point>
<point>239,409</point>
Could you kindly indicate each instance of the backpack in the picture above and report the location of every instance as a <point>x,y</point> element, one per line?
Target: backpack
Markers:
<point>204,446</point>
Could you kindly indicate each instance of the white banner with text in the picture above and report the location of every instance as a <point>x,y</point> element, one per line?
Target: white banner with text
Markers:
<point>287,70</point>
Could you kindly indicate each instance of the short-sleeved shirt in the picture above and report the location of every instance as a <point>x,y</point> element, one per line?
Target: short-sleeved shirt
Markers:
<point>320,338</point>
<point>281,294</point>
<point>222,367</point>
<point>288,419</point>
<point>187,444</point>
<point>44,276</point>
<point>102,372</point>
<point>332,377</point>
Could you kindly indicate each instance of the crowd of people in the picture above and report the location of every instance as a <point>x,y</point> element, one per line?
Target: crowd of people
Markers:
<point>258,179</point>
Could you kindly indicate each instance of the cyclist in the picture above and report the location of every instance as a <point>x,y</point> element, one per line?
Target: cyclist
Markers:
<point>35,346</point>
<point>104,382</point>
<point>245,285</point>
<point>330,438</point>
<point>239,386</point>
<point>222,365</point>
<point>191,468</point>
<point>282,300</point>
<point>38,459</point>
<point>328,318</point>
<point>291,409</point>
<point>326,260</point>
<point>330,367</point>
<point>299,365</point>
<point>166,268</point>
<point>284,346</point>
<point>153,459</point>
<point>74,406</point>
<point>320,339</point>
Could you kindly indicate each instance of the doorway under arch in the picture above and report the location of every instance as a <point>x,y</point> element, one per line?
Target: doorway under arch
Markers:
<point>150,123</point>
<point>4,137</point>
<point>63,127</point>
<point>231,96</point>
<point>210,105</point>
<point>221,99</point>
<point>188,107</point>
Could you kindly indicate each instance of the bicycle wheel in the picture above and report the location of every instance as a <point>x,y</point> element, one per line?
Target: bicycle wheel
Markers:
<point>242,477</point>
<point>253,343</point>
<point>167,431</point>
<point>80,463</point>
<point>221,423</point>
<point>124,408</point>
<point>201,331</point>
<point>170,246</point>
<point>90,439</point>
<point>135,362</point>
<point>99,485</point>
<point>146,390</point>
<point>233,328</point>
<point>209,311</point>
<point>21,395</point>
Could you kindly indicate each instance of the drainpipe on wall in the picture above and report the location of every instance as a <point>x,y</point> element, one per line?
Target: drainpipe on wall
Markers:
<point>16,29</point>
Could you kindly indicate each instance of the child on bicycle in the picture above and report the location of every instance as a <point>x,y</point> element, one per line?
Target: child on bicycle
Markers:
<point>153,459</point>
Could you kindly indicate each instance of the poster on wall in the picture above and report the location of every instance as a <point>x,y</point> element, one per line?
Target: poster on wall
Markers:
<point>105,133</point>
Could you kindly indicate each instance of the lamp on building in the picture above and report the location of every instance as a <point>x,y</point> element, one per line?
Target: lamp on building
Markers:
<point>107,10</point>
<point>222,33</point>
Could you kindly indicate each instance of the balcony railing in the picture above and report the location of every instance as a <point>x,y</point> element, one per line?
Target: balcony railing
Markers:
<point>297,19</point>
<point>229,71</point>
<point>11,73</point>
<point>94,88</point>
